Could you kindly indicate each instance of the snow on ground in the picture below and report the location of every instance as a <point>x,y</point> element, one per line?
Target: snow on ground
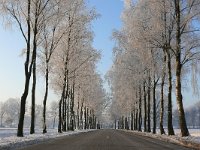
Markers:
<point>9,140</point>
<point>192,141</point>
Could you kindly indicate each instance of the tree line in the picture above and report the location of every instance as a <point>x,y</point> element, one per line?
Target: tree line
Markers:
<point>157,50</point>
<point>9,114</point>
<point>58,38</point>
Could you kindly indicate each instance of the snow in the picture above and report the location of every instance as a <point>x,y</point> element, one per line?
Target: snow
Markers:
<point>192,141</point>
<point>9,140</point>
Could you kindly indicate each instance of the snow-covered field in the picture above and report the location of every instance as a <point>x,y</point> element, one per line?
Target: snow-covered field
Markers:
<point>193,132</point>
<point>9,140</point>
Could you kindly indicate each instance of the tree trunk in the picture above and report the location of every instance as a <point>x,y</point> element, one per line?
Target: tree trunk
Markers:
<point>85,116</point>
<point>154,105</point>
<point>145,108</point>
<point>27,77</point>
<point>179,99</point>
<point>134,118</point>
<point>169,123</point>
<point>64,109</point>
<point>140,110</point>
<point>64,128</point>
<point>63,113</point>
<point>32,128</point>
<point>81,116</point>
<point>45,97</point>
<point>72,109</point>
<point>131,120</point>
<point>35,32</point>
<point>123,126</point>
<point>60,117</point>
<point>68,108</point>
<point>126,124</point>
<point>162,131</point>
<point>78,124</point>
<point>149,104</point>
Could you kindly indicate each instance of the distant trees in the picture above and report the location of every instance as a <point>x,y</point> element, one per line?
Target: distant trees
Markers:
<point>9,111</point>
<point>151,51</point>
<point>53,112</point>
<point>192,116</point>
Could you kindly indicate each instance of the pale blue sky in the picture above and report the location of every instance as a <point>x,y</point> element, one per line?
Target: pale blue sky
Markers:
<point>110,11</point>
<point>11,64</point>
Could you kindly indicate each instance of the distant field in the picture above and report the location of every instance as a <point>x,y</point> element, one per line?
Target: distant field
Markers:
<point>193,132</point>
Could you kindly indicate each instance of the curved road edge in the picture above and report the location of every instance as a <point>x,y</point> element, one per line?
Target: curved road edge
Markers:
<point>183,141</point>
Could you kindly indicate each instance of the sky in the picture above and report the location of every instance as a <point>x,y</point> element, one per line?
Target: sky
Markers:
<point>12,43</point>
<point>110,11</point>
<point>12,64</point>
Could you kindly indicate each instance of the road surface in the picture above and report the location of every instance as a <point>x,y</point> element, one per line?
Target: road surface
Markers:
<point>105,140</point>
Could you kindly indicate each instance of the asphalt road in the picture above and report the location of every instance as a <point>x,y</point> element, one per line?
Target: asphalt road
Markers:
<point>105,140</point>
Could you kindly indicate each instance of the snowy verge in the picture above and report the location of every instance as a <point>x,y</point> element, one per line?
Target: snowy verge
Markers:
<point>190,141</point>
<point>14,142</point>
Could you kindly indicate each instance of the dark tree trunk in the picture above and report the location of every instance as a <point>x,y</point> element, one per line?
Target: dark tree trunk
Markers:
<point>149,104</point>
<point>68,111</point>
<point>126,124</point>
<point>32,128</point>
<point>154,106</point>
<point>72,109</point>
<point>95,122</point>
<point>145,108</point>
<point>65,109</point>
<point>134,118</point>
<point>182,121</point>
<point>27,77</point>
<point>169,123</point>
<point>162,131</point>
<point>63,113</point>
<point>60,117</point>
<point>64,122</point>
<point>90,120</point>
<point>45,98</point>
<point>85,116</point>
<point>179,99</point>
<point>62,99</point>
<point>78,121</point>
<point>81,116</point>
<point>123,122</point>
<point>131,120</point>
<point>140,110</point>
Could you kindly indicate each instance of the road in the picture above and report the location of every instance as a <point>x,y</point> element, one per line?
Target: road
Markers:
<point>105,140</point>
